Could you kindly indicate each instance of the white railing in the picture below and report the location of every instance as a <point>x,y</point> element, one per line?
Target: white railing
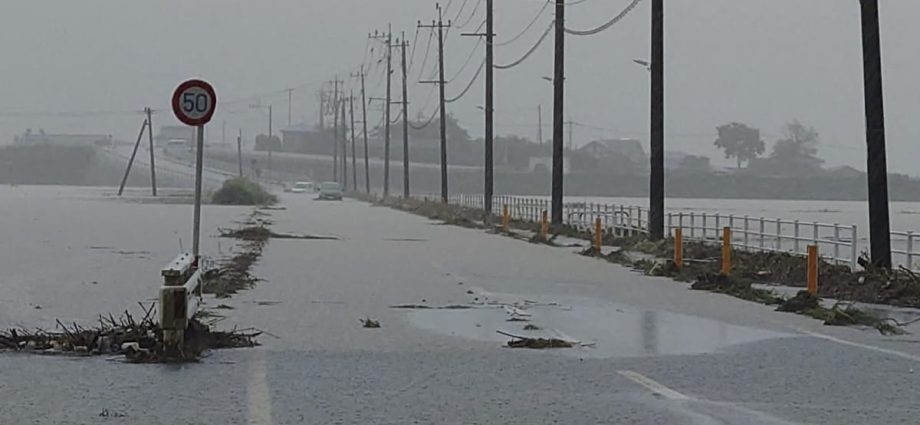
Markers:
<point>837,243</point>
<point>907,240</point>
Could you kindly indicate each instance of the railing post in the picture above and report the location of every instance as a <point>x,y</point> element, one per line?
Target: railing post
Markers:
<point>506,219</point>
<point>704,227</point>
<point>836,243</point>
<point>854,247</point>
<point>693,226</point>
<point>816,232</point>
<point>598,236</point>
<point>795,233</point>
<point>718,223</point>
<point>779,235</point>
<point>544,227</point>
<point>678,248</point>
<point>762,230</point>
<point>813,269</point>
<point>726,250</point>
<point>670,223</point>
<point>910,250</point>
<point>746,220</point>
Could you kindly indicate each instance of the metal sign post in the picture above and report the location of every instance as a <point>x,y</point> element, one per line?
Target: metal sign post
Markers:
<point>194,102</point>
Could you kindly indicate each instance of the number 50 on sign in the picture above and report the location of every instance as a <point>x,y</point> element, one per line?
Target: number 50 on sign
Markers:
<point>194,102</point>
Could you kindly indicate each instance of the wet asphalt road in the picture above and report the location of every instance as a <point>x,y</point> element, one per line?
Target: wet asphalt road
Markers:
<point>660,354</point>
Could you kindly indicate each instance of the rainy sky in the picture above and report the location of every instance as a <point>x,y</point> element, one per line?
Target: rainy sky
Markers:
<point>86,66</point>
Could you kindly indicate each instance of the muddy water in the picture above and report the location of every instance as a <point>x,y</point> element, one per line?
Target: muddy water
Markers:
<point>604,329</point>
<point>73,253</point>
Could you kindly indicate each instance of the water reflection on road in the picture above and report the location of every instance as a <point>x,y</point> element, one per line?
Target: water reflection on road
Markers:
<point>610,330</point>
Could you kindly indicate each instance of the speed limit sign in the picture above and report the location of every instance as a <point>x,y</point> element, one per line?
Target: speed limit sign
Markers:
<point>194,102</point>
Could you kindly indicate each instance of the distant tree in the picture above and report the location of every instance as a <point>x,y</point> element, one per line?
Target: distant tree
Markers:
<point>740,141</point>
<point>799,143</point>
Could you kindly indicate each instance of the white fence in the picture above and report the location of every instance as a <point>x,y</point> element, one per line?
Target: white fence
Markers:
<point>837,243</point>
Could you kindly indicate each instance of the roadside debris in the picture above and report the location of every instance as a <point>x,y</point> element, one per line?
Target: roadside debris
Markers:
<point>370,323</point>
<point>138,340</point>
<point>520,341</point>
<point>532,327</point>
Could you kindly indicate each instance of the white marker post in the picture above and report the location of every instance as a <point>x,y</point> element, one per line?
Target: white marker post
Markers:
<point>193,103</point>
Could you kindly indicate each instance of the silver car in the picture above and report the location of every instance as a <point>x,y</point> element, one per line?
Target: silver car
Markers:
<point>330,191</point>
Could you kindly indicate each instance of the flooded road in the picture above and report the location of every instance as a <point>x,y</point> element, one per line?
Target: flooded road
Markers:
<point>650,350</point>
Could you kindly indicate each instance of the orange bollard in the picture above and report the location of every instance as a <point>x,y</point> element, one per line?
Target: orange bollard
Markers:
<point>544,226</point>
<point>679,248</point>
<point>726,250</point>
<point>598,236</point>
<point>506,218</point>
<point>813,269</point>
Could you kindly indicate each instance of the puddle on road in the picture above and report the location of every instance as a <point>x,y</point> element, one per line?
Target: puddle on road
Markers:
<point>615,331</point>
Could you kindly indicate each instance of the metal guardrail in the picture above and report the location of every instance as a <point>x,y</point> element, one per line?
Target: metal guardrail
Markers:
<point>910,245</point>
<point>180,297</point>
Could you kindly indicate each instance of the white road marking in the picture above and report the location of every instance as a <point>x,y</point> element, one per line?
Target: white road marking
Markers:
<point>260,402</point>
<point>895,353</point>
<point>652,386</point>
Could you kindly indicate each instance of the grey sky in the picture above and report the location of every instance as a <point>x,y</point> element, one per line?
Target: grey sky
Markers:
<point>762,62</point>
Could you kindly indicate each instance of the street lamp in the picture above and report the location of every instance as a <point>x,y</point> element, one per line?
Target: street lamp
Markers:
<point>645,63</point>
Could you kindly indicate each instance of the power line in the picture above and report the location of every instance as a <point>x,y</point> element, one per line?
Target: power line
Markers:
<point>427,53</point>
<point>472,15</point>
<point>607,25</point>
<point>462,6</point>
<point>468,60</point>
<point>427,123</point>
<point>529,52</point>
<point>527,28</point>
<point>468,86</point>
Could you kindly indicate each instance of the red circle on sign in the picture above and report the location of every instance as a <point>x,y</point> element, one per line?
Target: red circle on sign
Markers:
<point>194,102</point>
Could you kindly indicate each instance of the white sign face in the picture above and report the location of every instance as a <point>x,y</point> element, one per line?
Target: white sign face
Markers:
<point>194,102</point>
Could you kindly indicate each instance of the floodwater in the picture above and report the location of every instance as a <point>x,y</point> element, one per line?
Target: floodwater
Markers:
<point>76,252</point>
<point>603,329</point>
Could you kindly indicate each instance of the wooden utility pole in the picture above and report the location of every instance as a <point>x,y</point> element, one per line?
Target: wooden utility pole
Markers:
<point>344,151</point>
<point>290,93</point>
<point>440,25</point>
<point>367,168</point>
<point>405,115</point>
<point>239,151</point>
<point>354,160</point>
<point>488,161</point>
<point>877,166</point>
<point>558,111</point>
<point>153,163</point>
<point>124,180</point>
<point>540,124</point>
<point>322,111</point>
<point>335,129</point>
<point>656,179</point>
<point>388,37</point>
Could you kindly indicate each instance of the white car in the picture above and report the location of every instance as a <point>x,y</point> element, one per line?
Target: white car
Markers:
<point>302,187</point>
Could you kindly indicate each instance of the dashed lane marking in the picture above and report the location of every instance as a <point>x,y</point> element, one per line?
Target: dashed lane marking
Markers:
<point>652,385</point>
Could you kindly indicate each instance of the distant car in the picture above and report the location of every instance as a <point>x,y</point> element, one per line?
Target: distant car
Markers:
<point>330,191</point>
<point>302,187</point>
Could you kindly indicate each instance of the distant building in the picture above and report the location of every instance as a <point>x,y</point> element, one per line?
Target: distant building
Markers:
<point>629,148</point>
<point>30,138</point>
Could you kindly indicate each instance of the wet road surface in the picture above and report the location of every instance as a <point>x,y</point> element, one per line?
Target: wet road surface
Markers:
<point>654,352</point>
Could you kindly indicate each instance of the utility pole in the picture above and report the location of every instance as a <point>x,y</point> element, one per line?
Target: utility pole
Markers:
<point>335,129</point>
<point>239,151</point>
<point>558,111</point>
<point>344,150</point>
<point>656,229</point>
<point>354,160</point>
<point>271,146</point>
<point>140,136</point>
<point>290,104</point>
<point>322,111</point>
<point>367,168</point>
<point>386,137</point>
<point>488,161</point>
<point>405,114</point>
<point>877,167</point>
<point>540,124</point>
<point>153,164</point>
<point>440,25</point>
